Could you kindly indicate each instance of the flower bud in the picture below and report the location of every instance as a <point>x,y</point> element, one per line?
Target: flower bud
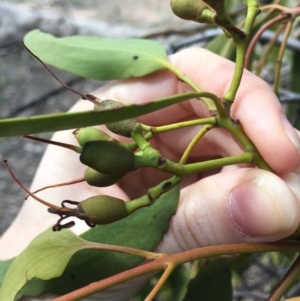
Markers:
<point>83,135</point>
<point>188,9</point>
<point>103,209</point>
<point>98,179</point>
<point>123,128</point>
<point>108,157</point>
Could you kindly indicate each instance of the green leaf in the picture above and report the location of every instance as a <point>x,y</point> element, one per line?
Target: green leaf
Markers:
<point>4,265</point>
<point>213,281</point>
<point>64,121</point>
<point>97,58</point>
<point>45,259</point>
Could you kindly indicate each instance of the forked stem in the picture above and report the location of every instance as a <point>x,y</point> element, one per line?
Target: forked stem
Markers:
<point>27,190</point>
<point>176,259</point>
<point>193,143</point>
<point>58,185</point>
<point>257,36</point>
<point>166,274</point>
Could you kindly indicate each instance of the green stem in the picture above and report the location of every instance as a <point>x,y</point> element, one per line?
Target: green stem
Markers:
<point>180,125</point>
<point>193,143</point>
<point>182,77</point>
<point>217,163</point>
<point>235,128</point>
<point>136,204</point>
<point>152,195</point>
<point>252,12</point>
<point>64,121</point>
<point>241,47</point>
<point>171,167</point>
<point>238,71</point>
<point>155,192</point>
<point>140,140</point>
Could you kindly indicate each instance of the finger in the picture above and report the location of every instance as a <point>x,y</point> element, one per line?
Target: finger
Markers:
<point>242,205</point>
<point>256,106</point>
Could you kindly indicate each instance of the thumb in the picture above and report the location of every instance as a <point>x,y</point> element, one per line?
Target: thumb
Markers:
<point>241,205</point>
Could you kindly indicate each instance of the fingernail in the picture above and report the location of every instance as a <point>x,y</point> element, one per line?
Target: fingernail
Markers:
<point>290,131</point>
<point>260,209</point>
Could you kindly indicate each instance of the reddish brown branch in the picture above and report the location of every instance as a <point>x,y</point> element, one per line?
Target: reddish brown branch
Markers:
<point>286,281</point>
<point>177,259</point>
<point>256,37</point>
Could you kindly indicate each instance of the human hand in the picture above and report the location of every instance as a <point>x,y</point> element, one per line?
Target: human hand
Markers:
<point>236,204</point>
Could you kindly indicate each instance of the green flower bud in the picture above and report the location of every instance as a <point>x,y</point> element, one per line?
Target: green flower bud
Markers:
<point>98,179</point>
<point>188,9</point>
<point>103,209</point>
<point>83,135</point>
<point>108,157</point>
<point>123,128</point>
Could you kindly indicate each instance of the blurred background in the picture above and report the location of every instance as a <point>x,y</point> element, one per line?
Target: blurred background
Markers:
<point>27,89</point>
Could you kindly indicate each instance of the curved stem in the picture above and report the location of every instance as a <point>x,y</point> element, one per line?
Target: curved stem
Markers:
<point>261,63</point>
<point>182,77</point>
<point>241,47</point>
<point>273,7</point>
<point>280,56</point>
<point>28,192</point>
<point>252,12</point>
<point>193,143</point>
<point>286,281</point>
<point>180,125</point>
<point>257,36</point>
<point>235,128</point>
<point>80,180</point>
<point>217,163</point>
<point>238,71</point>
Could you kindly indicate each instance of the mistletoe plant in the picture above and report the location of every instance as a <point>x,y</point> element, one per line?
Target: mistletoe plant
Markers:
<point>124,234</point>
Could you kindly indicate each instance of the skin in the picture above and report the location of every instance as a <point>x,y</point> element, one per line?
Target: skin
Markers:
<point>235,204</point>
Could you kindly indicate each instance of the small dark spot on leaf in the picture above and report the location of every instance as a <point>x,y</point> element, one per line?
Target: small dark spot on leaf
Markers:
<point>167,185</point>
<point>135,57</point>
<point>72,276</point>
